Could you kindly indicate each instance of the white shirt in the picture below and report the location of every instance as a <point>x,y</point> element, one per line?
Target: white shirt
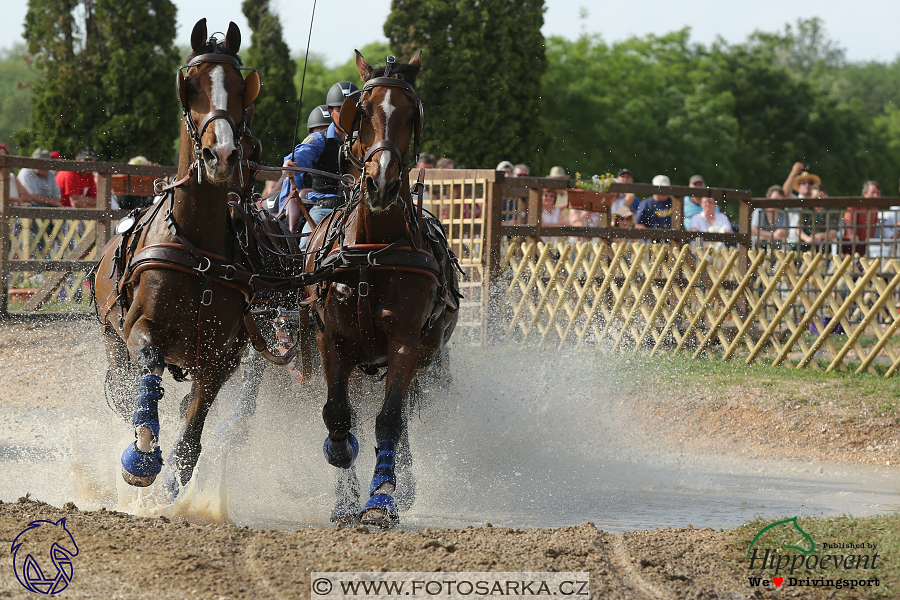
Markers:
<point>721,224</point>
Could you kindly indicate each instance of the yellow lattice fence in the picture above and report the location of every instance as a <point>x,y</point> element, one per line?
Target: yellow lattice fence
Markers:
<point>811,310</point>
<point>460,205</point>
<point>52,240</point>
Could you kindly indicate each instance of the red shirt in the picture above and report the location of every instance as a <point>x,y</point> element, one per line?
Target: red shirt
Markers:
<point>75,183</point>
<point>865,219</point>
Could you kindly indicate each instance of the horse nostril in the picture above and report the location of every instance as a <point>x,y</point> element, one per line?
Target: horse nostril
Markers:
<point>393,188</point>
<point>209,156</point>
<point>234,157</point>
<point>371,187</point>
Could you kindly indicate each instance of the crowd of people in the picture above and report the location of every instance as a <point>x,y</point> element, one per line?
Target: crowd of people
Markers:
<point>869,231</point>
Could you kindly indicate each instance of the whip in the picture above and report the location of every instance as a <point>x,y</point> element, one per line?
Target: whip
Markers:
<point>303,77</point>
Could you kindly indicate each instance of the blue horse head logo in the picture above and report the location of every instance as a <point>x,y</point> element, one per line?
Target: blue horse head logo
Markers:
<point>38,546</point>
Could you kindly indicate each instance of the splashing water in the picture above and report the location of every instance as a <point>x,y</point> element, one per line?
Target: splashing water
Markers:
<point>524,437</point>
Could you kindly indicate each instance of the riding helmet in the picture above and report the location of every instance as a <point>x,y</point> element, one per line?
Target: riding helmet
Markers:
<point>339,92</point>
<point>319,117</point>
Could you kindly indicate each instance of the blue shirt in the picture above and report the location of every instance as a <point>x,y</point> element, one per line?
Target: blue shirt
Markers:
<point>655,215</point>
<point>306,154</point>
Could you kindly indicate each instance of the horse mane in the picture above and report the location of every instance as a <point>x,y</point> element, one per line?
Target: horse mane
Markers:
<point>212,46</point>
<point>404,71</point>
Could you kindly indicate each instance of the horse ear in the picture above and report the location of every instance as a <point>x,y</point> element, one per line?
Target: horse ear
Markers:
<point>233,38</point>
<point>364,68</point>
<point>252,91</point>
<point>198,36</point>
<point>416,61</point>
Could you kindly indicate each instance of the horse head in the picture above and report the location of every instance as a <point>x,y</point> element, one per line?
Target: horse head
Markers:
<point>388,115</point>
<point>214,97</point>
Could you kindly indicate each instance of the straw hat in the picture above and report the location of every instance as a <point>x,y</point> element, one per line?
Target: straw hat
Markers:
<point>557,172</point>
<point>806,176</point>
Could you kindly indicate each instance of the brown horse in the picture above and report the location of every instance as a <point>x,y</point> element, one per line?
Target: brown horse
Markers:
<point>391,299</point>
<point>172,291</point>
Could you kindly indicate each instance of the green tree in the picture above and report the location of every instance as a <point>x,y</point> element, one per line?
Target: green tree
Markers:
<point>481,81</point>
<point>16,78</point>
<point>320,78</point>
<point>103,64</point>
<point>269,54</point>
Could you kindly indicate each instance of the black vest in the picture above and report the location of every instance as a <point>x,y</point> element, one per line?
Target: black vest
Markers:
<point>327,162</point>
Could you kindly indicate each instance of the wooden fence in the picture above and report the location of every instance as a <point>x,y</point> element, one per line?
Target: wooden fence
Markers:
<point>661,291</point>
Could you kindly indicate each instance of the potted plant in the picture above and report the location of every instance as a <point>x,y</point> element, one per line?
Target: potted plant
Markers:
<point>591,194</point>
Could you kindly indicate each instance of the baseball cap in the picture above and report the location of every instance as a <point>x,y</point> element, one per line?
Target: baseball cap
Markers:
<point>86,152</point>
<point>696,178</point>
<point>624,171</point>
<point>661,180</point>
<point>41,153</point>
<point>623,211</point>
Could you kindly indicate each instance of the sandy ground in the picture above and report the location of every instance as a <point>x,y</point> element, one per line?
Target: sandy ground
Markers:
<point>124,556</point>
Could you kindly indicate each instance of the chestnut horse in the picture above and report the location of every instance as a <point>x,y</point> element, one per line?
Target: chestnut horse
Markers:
<point>391,298</point>
<point>172,290</point>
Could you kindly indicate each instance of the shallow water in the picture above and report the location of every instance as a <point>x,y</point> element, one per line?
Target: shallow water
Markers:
<point>524,438</point>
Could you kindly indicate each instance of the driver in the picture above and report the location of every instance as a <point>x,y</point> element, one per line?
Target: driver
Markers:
<point>319,151</point>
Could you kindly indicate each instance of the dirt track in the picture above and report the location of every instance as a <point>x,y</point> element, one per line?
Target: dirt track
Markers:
<point>123,556</point>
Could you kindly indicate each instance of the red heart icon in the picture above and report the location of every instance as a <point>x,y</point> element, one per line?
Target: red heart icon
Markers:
<point>777,581</point>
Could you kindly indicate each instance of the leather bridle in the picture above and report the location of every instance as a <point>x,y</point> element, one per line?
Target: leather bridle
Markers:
<point>250,94</point>
<point>351,106</point>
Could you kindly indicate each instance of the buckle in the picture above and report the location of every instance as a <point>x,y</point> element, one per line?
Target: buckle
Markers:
<point>201,269</point>
<point>206,298</point>
<point>372,259</point>
<point>229,272</point>
<point>360,292</point>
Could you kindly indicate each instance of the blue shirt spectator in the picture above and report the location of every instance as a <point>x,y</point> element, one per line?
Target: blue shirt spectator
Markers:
<point>656,211</point>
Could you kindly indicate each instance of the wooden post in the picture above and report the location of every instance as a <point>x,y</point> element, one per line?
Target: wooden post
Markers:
<point>104,201</point>
<point>678,212</point>
<point>744,227</point>
<point>492,255</point>
<point>4,238</point>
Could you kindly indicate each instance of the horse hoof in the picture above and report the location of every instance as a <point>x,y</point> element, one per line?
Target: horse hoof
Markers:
<point>341,454</point>
<point>141,468</point>
<point>379,511</point>
<point>345,513</point>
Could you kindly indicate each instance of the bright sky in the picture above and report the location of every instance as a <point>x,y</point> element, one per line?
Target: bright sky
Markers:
<point>865,28</point>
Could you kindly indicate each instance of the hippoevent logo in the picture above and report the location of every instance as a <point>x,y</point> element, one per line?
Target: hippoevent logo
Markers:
<point>798,564</point>
<point>42,556</point>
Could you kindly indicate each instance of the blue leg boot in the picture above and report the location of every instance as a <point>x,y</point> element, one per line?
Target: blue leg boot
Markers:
<point>380,510</point>
<point>341,454</point>
<point>141,468</point>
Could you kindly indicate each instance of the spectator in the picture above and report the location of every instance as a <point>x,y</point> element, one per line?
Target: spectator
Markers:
<point>692,204</point>
<point>860,222</point>
<point>444,163</point>
<point>622,218</point>
<point>802,182</point>
<point>426,161</point>
<point>656,211</point>
<point>14,184</point>
<point>128,202</point>
<point>769,226</point>
<point>79,190</point>
<point>627,200</point>
<point>505,166</point>
<point>521,170</point>
<point>557,173</point>
<point>41,184</point>
<point>708,219</point>
<point>551,213</point>
<point>821,226</point>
